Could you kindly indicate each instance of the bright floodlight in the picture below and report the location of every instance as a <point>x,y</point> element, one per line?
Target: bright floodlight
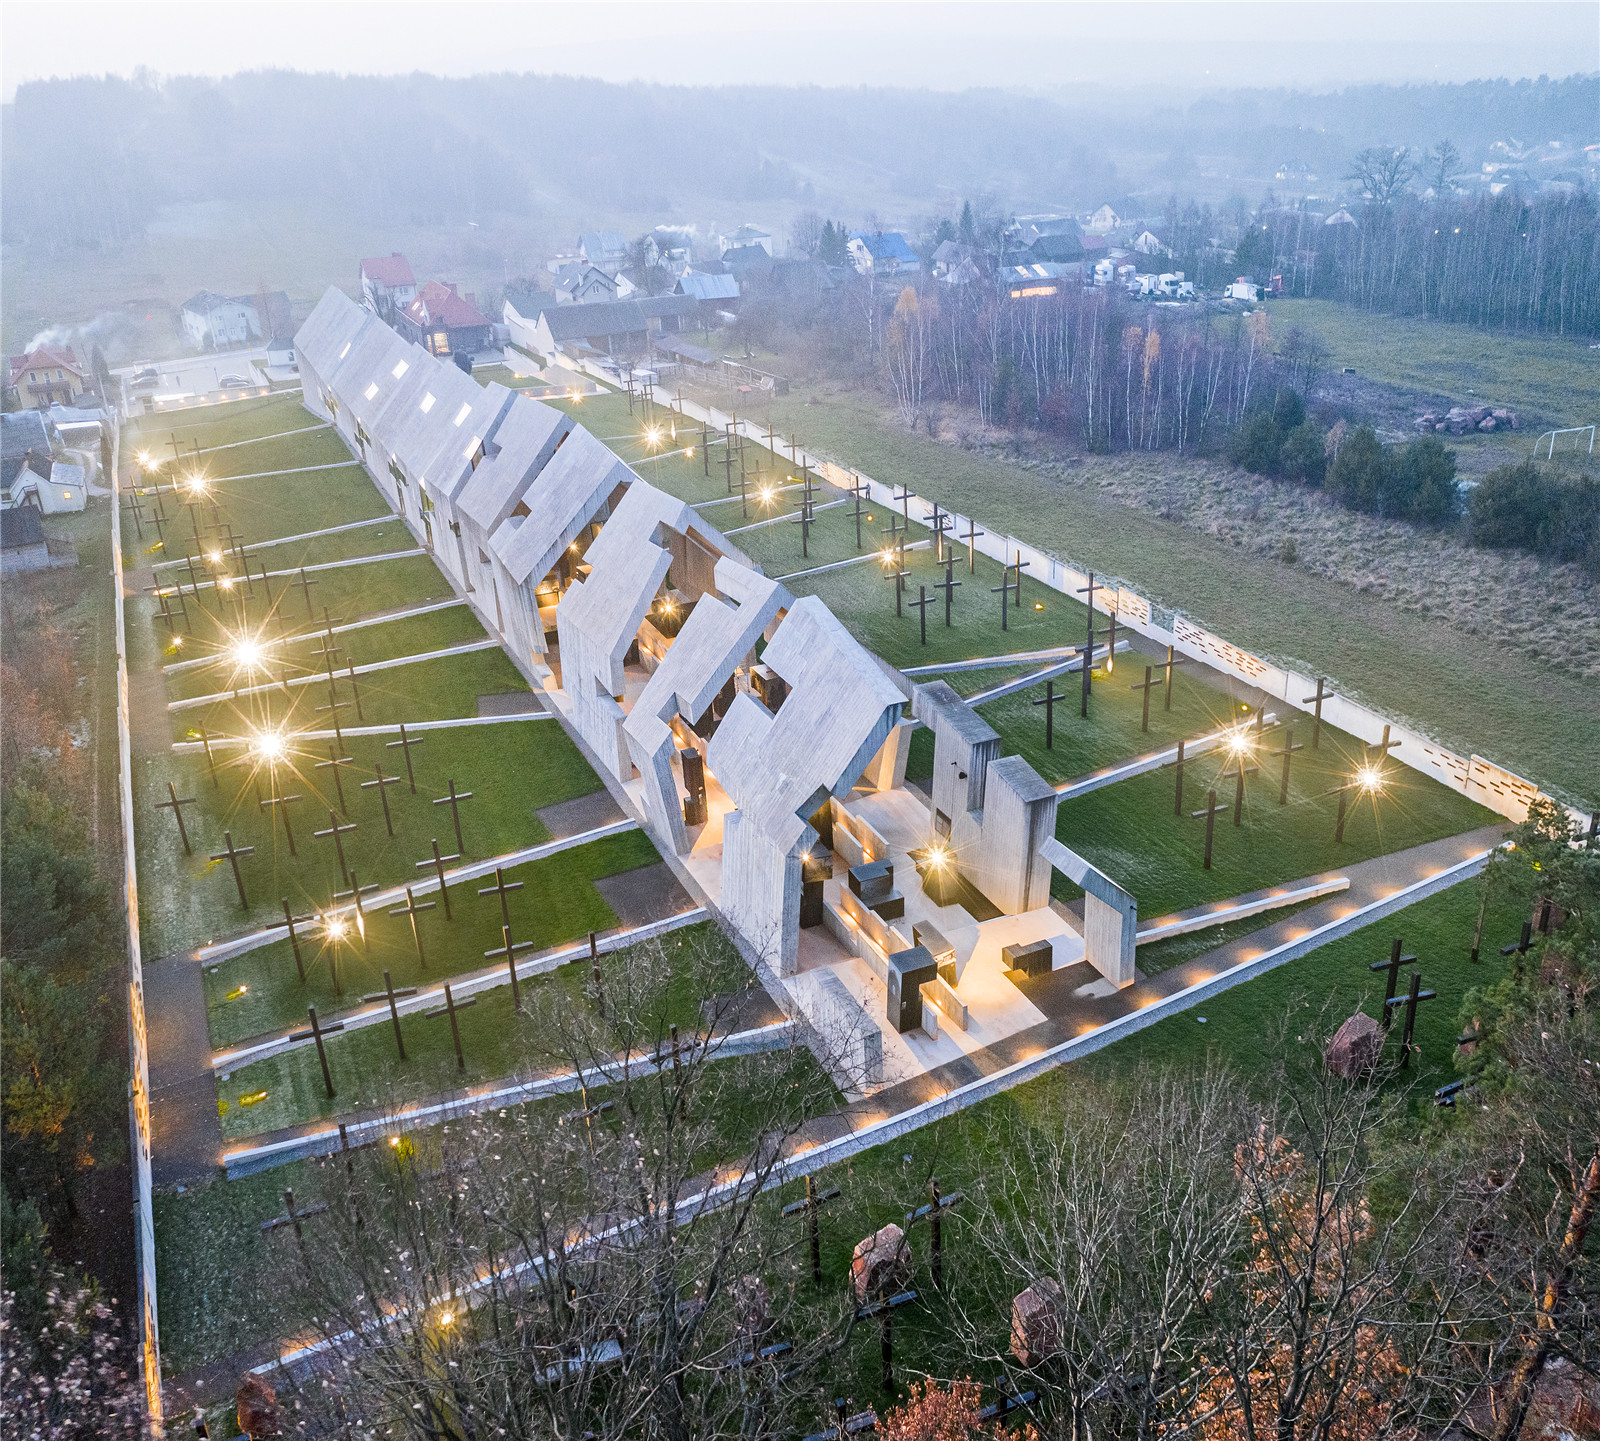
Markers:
<point>653,436</point>
<point>1369,777</point>
<point>214,556</point>
<point>271,746</point>
<point>248,652</point>
<point>197,484</point>
<point>938,855</point>
<point>336,928</point>
<point>1239,742</point>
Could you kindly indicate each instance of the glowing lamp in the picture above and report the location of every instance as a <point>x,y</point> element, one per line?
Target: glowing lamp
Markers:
<point>1369,778</point>
<point>271,746</point>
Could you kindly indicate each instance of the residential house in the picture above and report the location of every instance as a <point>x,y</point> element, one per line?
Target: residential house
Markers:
<point>23,543</point>
<point>963,272</point>
<point>213,321</point>
<point>1341,216</point>
<point>1094,246</point>
<point>584,284</point>
<point>280,353</point>
<point>949,256</point>
<point>1147,242</point>
<point>1029,228</point>
<point>622,327</point>
<point>605,248</point>
<point>747,262</point>
<point>751,235</point>
<point>720,288</point>
<point>39,480</point>
<point>1041,278</point>
<point>1104,220</point>
<point>387,285</point>
<point>443,321</point>
<point>674,246</point>
<point>883,252</point>
<point>1295,171</point>
<point>47,375</point>
<point>1055,250</point>
<point>25,430</point>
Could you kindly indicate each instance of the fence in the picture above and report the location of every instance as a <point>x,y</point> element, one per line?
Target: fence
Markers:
<point>138,1041</point>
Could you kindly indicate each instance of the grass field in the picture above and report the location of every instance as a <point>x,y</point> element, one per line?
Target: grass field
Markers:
<point>1413,667</point>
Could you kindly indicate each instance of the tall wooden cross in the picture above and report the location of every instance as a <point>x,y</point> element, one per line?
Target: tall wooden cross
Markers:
<point>1167,665</point>
<point>453,800</point>
<point>898,573</point>
<point>211,760</point>
<point>1316,722</point>
<point>411,910</point>
<point>1384,746</point>
<point>1049,704</point>
<point>355,690</point>
<point>231,855</point>
<point>508,948</point>
<point>438,863</point>
<point>1019,565</point>
<point>922,602</point>
<point>335,705</point>
<point>305,589</point>
<point>383,782</point>
<point>948,586</point>
<point>1147,686</point>
<point>934,1212</point>
<point>1088,654</point>
<point>809,1208</point>
<point>1240,770</point>
<point>1177,800</point>
<point>317,1031</point>
<point>294,1218</point>
<point>291,920</point>
<point>391,995</point>
<point>942,522</point>
<point>859,491</point>
<point>1004,590</point>
<point>502,888</point>
<point>449,1008</point>
<point>138,512</point>
<point>333,763</point>
<point>405,743</point>
<point>175,804</point>
<point>1288,750</point>
<point>904,500</point>
<point>277,804</point>
<point>1391,967</point>
<point>337,832</point>
<point>972,552</point>
<point>1409,1001</point>
<point>1210,813</point>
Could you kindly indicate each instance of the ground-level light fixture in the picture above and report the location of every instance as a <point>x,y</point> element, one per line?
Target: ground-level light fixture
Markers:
<point>271,746</point>
<point>1369,778</point>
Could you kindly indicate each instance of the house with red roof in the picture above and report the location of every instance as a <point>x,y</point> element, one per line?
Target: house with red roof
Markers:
<point>47,375</point>
<point>387,284</point>
<point>443,321</point>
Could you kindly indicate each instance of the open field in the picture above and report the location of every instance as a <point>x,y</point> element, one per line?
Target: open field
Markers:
<point>1416,667</point>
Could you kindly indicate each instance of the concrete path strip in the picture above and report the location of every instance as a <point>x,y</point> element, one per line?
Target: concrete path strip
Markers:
<point>223,742</point>
<point>253,475</point>
<point>322,1141</point>
<point>468,983</point>
<point>840,564</point>
<point>253,940</point>
<point>290,539</point>
<point>990,662</point>
<point>1222,912</point>
<point>1033,678</point>
<point>328,565</point>
<point>779,519</point>
<point>1154,760</point>
<point>466,648</point>
<point>220,657</point>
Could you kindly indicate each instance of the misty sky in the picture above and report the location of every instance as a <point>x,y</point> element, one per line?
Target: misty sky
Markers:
<point>1125,45</point>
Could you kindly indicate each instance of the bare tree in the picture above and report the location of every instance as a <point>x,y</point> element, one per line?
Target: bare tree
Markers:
<point>1442,162</point>
<point>805,235</point>
<point>1382,173</point>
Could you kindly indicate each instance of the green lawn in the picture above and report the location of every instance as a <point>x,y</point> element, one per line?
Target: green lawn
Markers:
<point>558,903</point>
<point>496,1044</point>
<point>512,769</point>
<point>1552,376</point>
<point>240,420</point>
<point>386,640</point>
<point>1408,665</point>
<point>370,539</point>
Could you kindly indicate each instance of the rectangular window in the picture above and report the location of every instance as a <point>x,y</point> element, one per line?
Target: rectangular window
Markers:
<point>345,351</point>
<point>463,413</point>
<point>371,390</point>
<point>394,470</point>
<point>427,403</point>
<point>400,369</point>
<point>473,452</point>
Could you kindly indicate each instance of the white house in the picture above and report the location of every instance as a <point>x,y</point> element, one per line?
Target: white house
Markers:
<point>1341,216</point>
<point>1149,243</point>
<point>387,284</point>
<point>50,486</point>
<point>883,252</point>
<point>212,321</point>
<point>1103,220</point>
<point>751,235</point>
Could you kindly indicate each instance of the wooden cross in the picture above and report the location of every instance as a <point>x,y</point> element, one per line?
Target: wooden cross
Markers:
<point>356,888</point>
<point>211,760</point>
<point>411,910</point>
<point>1088,665</point>
<point>137,510</point>
<point>1240,771</point>
<point>1409,1001</point>
<point>438,864</point>
<point>1477,930</point>
<point>804,519</point>
<point>809,1207</point>
<point>333,762</point>
<point>933,1213</point>
<point>232,854</point>
<point>860,491</point>
<point>1177,801</point>
<point>335,705</point>
<point>1110,633</point>
<point>508,948</point>
<point>904,499</point>
<point>1147,686</point>
<point>355,690</point>
<point>1385,746</point>
<point>1049,704</point>
<point>278,804</point>
<point>1019,565</point>
<point>166,610</point>
<point>1210,813</point>
<point>1289,748</point>
<point>405,743</point>
<point>1004,588</point>
<point>922,602</point>
<point>948,586</point>
<point>1391,979</point>
<point>942,522</point>
<point>291,920</point>
<point>390,992</point>
<point>453,800</point>
<point>383,782</point>
<point>449,1008</point>
<point>305,590</point>
<point>501,888</point>
<point>177,455</point>
<point>316,1031</point>
<point>292,1217</point>
<point>898,575</point>
<point>328,650</point>
<point>266,585</point>
<point>1524,942</point>
<point>972,553</point>
<point>883,1309</point>
<point>337,832</point>
<point>159,520</point>
<point>1316,723</point>
<point>1167,665</point>
<point>176,805</point>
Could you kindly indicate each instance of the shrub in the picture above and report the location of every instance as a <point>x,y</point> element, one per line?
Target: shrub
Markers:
<point>1521,507</point>
<point>1423,482</point>
<point>1303,456</point>
<point>1359,474</point>
<point>1256,444</point>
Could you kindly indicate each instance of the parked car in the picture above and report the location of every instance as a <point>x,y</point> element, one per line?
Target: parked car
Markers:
<point>147,376</point>
<point>233,380</point>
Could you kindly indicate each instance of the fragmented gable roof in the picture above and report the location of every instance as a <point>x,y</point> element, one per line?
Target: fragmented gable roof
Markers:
<point>203,302</point>
<point>42,356</point>
<point>709,287</point>
<point>582,472</point>
<point>885,245</point>
<point>391,271</point>
<point>613,317</point>
<point>439,304</point>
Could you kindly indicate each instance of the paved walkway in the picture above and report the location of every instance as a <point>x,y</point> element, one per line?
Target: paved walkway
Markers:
<point>291,539</point>
<point>220,657</point>
<point>354,560</point>
<point>1037,677</point>
<point>221,742</point>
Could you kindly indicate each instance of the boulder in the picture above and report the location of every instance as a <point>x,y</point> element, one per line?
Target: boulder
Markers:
<point>1036,1322</point>
<point>880,1264</point>
<point>1355,1047</point>
<point>1566,1404</point>
<point>257,1410</point>
<point>1488,423</point>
